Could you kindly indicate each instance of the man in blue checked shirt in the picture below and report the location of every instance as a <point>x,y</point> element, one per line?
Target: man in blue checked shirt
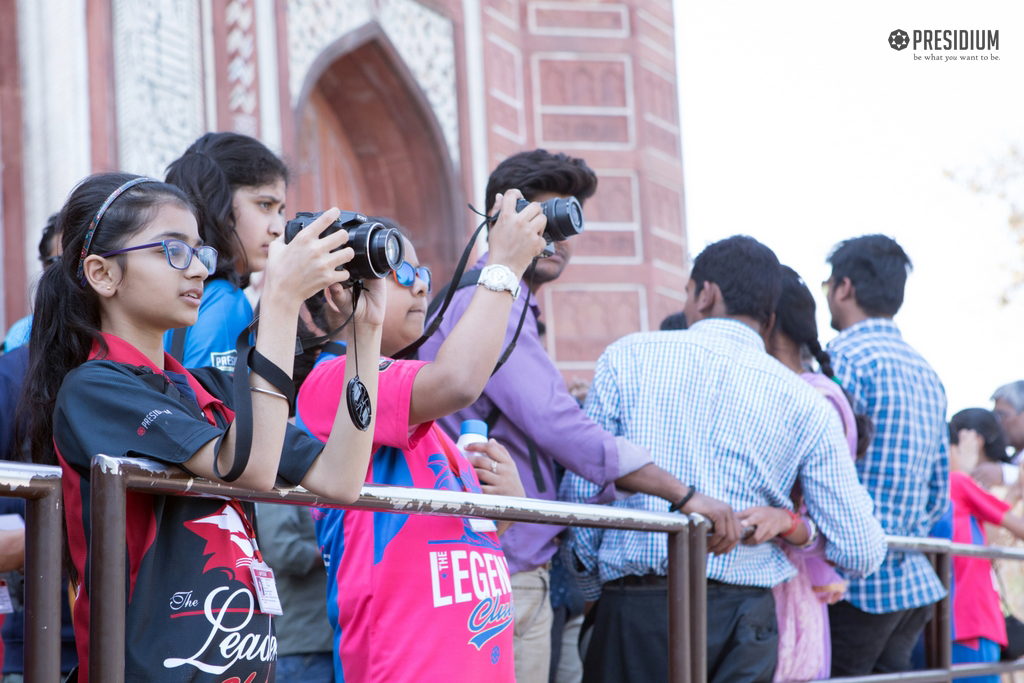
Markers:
<point>906,468</point>
<point>729,420</point>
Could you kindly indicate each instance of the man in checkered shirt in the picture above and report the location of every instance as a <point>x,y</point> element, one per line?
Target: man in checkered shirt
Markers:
<point>906,468</point>
<point>733,423</point>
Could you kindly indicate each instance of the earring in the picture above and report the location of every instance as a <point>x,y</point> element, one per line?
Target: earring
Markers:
<point>108,288</point>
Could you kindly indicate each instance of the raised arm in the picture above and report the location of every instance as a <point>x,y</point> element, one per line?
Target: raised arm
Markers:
<point>467,357</point>
<point>294,272</point>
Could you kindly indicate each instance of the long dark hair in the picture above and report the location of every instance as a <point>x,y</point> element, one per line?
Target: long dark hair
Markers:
<point>66,322</point>
<point>209,172</point>
<point>794,317</point>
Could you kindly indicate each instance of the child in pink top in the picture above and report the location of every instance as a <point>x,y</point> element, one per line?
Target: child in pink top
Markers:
<point>978,628</point>
<point>423,597</point>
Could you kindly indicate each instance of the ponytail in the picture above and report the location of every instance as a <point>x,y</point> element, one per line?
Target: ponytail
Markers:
<point>794,317</point>
<point>819,355</point>
<point>209,172</point>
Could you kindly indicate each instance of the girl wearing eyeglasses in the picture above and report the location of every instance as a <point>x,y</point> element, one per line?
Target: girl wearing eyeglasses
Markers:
<point>100,382</point>
<point>238,187</point>
<point>438,587</point>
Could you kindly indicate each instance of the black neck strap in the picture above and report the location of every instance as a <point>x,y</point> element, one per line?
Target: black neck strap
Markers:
<point>450,294</point>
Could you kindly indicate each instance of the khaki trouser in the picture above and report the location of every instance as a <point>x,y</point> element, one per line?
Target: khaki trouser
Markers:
<point>531,636</point>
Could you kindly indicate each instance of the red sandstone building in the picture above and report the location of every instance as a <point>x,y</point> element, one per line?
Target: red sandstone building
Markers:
<point>394,107</point>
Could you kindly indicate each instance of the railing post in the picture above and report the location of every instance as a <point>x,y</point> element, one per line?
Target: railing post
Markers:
<point>679,619</point>
<point>43,551</point>
<point>943,614</point>
<point>699,600</point>
<point>106,583</point>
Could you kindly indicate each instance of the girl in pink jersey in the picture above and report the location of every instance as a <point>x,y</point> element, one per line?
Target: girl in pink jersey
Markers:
<point>419,597</point>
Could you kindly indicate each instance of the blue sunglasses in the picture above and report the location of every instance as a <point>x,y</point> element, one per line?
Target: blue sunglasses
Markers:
<point>406,275</point>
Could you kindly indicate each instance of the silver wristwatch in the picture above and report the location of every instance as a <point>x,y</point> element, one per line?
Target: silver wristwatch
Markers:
<point>499,279</point>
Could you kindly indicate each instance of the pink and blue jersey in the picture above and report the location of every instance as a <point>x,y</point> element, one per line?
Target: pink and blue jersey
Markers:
<point>976,611</point>
<point>410,597</point>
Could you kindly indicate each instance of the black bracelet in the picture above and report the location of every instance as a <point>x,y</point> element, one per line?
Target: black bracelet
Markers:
<point>686,499</point>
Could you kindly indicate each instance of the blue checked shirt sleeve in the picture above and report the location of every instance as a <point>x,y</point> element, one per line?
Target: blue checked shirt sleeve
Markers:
<point>938,485</point>
<point>840,506</point>
<point>602,407</point>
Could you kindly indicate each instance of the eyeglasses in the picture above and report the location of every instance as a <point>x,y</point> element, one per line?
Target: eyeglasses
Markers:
<point>178,253</point>
<point>826,286</point>
<point>406,275</point>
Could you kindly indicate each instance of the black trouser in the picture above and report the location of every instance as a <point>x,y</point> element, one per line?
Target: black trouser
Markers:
<point>865,643</point>
<point>630,635</point>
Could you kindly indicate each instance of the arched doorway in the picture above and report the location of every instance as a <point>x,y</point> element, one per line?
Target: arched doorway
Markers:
<point>369,142</point>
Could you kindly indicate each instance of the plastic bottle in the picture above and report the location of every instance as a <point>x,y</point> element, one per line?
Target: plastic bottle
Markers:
<point>473,431</point>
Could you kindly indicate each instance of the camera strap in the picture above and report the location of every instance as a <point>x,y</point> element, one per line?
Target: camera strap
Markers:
<point>249,359</point>
<point>360,409</point>
<point>461,279</point>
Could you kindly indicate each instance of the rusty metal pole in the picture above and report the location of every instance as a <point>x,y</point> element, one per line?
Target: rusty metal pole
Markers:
<point>932,647</point>
<point>43,550</point>
<point>943,615</point>
<point>106,581</point>
<point>699,600</point>
<point>679,620</point>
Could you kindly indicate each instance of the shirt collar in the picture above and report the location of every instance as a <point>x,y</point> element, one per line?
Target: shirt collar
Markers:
<point>871,325</point>
<point>732,329</point>
<point>120,351</point>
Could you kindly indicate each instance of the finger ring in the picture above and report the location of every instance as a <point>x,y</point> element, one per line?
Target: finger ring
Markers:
<point>494,467</point>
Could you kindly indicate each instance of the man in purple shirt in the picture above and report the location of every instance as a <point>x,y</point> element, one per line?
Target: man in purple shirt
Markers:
<point>529,410</point>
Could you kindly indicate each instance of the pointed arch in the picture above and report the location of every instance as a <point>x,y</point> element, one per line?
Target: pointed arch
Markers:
<point>369,141</point>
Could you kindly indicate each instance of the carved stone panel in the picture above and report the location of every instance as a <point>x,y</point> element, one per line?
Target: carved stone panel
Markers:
<point>157,60</point>
<point>584,101</point>
<point>584,19</point>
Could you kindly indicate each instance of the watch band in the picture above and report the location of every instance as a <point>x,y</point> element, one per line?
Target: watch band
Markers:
<point>499,278</point>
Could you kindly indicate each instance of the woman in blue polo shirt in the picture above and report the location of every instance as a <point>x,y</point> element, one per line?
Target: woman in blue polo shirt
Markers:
<point>99,382</point>
<point>238,186</point>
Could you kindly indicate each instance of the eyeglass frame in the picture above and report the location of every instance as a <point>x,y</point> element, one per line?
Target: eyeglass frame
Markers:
<point>417,272</point>
<point>192,251</point>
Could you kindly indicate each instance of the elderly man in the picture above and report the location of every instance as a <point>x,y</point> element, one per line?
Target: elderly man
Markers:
<point>1009,408</point>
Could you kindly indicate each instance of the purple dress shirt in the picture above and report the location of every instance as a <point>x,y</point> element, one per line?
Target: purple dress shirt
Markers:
<point>534,401</point>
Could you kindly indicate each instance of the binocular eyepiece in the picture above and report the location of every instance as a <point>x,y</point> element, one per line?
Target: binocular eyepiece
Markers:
<point>379,249</point>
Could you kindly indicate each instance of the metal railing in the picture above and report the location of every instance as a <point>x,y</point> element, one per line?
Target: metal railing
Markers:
<point>112,478</point>
<point>40,486</point>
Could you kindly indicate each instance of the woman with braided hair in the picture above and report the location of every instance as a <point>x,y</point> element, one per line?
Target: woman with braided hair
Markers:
<point>801,604</point>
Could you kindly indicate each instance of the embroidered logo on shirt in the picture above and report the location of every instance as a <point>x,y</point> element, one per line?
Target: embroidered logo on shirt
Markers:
<point>224,360</point>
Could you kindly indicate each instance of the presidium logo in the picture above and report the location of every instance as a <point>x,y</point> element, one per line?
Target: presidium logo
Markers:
<point>957,40</point>
<point>898,40</point>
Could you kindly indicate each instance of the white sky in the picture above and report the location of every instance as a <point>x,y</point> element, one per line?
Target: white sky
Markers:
<point>802,127</point>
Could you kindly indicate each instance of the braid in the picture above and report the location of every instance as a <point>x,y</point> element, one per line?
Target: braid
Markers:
<point>823,360</point>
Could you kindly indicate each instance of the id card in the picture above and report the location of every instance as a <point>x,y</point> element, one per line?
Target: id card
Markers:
<point>6,606</point>
<point>482,526</point>
<point>266,588</point>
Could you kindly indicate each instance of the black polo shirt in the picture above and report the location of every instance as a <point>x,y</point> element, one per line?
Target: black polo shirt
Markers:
<point>192,614</point>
